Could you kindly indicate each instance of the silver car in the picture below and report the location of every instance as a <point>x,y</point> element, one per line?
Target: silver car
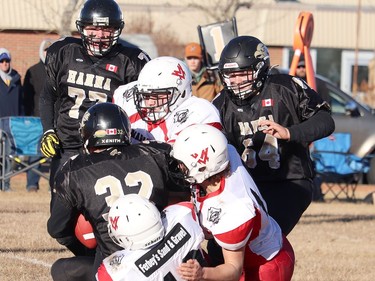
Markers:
<point>352,117</point>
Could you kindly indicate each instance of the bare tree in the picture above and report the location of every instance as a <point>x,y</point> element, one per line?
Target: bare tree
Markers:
<point>66,19</point>
<point>220,10</point>
<point>50,12</point>
<point>166,41</point>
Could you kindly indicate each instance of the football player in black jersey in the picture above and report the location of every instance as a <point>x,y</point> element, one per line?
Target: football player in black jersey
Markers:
<point>81,73</point>
<point>91,181</point>
<point>271,120</point>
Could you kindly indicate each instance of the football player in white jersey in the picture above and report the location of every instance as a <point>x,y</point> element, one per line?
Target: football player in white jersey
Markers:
<point>154,244</point>
<point>232,210</point>
<point>160,103</point>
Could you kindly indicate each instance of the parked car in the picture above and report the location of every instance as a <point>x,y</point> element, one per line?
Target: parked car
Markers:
<point>353,117</point>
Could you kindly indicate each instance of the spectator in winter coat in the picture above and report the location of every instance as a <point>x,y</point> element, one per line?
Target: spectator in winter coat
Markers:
<point>205,83</point>
<point>10,99</point>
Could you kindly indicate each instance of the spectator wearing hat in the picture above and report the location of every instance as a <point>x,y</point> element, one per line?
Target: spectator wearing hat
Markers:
<point>205,83</point>
<point>33,85</point>
<point>10,87</point>
<point>321,88</point>
<point>10,98</point>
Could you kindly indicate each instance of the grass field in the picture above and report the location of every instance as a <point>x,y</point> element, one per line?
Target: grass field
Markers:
<point>333,241</point>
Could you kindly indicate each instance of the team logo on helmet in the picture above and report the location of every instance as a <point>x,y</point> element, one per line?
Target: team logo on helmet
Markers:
<point>100,134</point>
<point>261,52</point>
<point>203,156</point>
<point>180,73</point>
<point>114,222</point>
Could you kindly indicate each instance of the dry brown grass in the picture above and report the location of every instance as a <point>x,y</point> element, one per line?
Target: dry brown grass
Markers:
<point>333,241</point>
<point>26,250</point>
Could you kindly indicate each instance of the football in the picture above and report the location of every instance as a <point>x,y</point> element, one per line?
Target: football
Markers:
<point>84,232</point>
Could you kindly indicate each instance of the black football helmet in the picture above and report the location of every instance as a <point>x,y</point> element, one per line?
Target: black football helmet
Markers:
<point>244,53</point>
<point>101,13</point>
<point>103,125</point>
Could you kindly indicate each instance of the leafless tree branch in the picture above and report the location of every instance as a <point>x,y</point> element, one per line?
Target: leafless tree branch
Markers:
<point>221,10</point>
<point>66,19</point>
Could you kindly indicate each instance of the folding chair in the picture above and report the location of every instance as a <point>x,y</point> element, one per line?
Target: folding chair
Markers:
<point>20,136</point>
<point>339,169</point>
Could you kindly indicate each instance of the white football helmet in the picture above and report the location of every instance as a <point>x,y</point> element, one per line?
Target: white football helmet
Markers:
<point>135,223</point>
<point>163,84</point>
<point>203,150</point>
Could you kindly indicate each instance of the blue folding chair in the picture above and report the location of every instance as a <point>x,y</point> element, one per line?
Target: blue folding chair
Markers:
<point>337,167</point>
<point>20,136</point>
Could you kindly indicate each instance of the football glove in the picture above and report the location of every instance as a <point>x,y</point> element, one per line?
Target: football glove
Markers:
<point>50,144</point>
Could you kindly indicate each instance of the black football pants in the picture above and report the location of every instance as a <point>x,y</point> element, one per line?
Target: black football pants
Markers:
<point>287,200</point>
<point>76,268</point>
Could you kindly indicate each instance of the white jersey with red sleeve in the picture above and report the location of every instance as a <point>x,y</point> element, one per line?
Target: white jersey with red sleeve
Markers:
<point>236,214</point>
<point>182,241</point>
<point>192,111</point>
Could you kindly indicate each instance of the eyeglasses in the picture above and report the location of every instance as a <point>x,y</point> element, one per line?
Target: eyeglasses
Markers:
<point>5,60</point>
<point>301,66</point>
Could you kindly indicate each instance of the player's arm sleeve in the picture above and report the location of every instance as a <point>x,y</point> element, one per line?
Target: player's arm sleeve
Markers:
<point>48,96</point>
<point>316,127</point>
<point>61,226</point>
<point>138,60</point>
<point>64,214</point>
<point>237,238</point>
<point>309,101</point>
<point>62,220</point>
<point>29,93</point>
<point>102,274</point>
<point>314,114</point>
<point>63,209</point>
<point>65,186</point>
<point>46,104</point>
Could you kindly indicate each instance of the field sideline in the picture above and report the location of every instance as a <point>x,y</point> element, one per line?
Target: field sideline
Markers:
<point>333,241</point>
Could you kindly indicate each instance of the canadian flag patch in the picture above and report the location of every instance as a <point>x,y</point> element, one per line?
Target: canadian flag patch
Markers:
<point>267,102</point>
<point>111,67</point>
<point>111,131</point>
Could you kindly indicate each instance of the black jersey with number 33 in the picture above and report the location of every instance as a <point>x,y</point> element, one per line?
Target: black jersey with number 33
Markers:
<point>76,81</point>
